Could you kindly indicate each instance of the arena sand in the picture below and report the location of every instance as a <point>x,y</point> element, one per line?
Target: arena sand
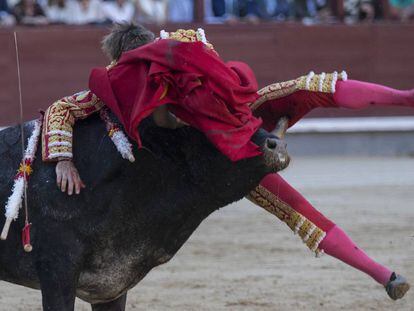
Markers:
<point>242,258</point>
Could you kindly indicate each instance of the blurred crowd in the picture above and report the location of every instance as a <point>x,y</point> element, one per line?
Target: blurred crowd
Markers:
<point>82,12</point>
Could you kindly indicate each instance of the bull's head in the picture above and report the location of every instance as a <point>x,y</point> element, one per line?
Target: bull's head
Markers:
<point>272,144</point>
<point>274,150</point>
<point>274,147</point>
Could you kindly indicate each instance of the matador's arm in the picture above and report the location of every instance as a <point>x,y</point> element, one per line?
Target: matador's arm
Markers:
<point>59,120</point>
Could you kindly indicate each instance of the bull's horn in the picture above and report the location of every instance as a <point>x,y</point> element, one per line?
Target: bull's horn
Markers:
<point>281,127</point>
<point>6,228</point>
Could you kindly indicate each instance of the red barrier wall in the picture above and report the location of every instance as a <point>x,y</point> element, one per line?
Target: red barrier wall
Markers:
<point>55,61</point>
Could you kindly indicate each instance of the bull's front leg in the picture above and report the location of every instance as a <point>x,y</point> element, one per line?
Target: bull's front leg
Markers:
<point>58,255</point>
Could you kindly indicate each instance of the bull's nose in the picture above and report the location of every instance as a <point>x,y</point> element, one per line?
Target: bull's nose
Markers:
<point>271,143</point>
<point>282,157</point>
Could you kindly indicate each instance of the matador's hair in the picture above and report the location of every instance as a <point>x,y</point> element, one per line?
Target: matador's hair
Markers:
<point>125,37</point>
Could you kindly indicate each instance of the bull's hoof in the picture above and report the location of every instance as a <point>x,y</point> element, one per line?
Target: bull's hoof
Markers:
<point>397,286</point>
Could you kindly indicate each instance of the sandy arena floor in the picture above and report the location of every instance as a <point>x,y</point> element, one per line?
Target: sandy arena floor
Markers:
<point>243,258</point>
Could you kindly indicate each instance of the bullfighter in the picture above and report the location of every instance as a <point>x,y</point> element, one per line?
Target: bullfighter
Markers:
<point>176,92</point>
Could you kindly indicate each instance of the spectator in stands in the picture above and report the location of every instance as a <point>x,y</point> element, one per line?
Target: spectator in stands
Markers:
<point>220,11</point>
<point>310,11</point>
<point>313,11</point>
<point>279,10</point>
<point>252,10</point>
<point>6,18</point>
<point>324,12</point>
<point>85,12</point>
<point>402,9</point>
<point>180,11</point>
<point>153,11</point>
<point>29,12</point>
<point>231,11</point>
<point>117,11</point>
<point>58,12</point>
<point>359,10</point>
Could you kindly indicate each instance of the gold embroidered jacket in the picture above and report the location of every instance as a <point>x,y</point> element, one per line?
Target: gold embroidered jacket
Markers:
<point>62,115</point>
<point>59,120</point>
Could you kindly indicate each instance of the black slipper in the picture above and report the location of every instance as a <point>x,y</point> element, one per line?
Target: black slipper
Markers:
<point>397,286</point>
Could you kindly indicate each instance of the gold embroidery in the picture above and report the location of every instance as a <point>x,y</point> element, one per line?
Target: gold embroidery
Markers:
<point>308,231</point>
<point>305,229</point>
<point>189,35</point>
<point>274,91</point>
<point>325,82</point>
<point>59,138</point>
<point>61,116</point>
<point>315,238</point>
<point>25,169</point>
<point>183,35</point>
<point>59,149</point>
<point>112,131</point>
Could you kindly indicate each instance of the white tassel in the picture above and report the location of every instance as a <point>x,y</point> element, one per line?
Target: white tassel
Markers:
<point>60,154</point>
<point>34,138</point>
<point>14,202</point>
<point>164,34</point>
<point>334,80</point>
<point>202,34</point>
<point>344,75</point>
<point>308,80</point>
<point>320,239</point>
<point>310,231</point>
<point>59,143</point>
<point>60,132</point>
<point>298,225</point>
<point>321,80</point>
<point>123,145</point>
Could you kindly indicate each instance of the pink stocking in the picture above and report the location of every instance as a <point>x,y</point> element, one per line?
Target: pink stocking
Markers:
<point>349,94</point>
<point>337,244</point>
<point>354,94</point>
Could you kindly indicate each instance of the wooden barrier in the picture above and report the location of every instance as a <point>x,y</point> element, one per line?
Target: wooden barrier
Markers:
<point>56,61</point>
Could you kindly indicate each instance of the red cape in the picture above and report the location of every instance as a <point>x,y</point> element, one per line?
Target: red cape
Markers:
<point>199,87</point>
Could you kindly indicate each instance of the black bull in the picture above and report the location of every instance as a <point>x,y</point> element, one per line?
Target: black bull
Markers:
<point>130,218</point>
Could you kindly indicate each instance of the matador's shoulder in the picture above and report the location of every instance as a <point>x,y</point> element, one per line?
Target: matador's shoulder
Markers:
<point>187,35</point>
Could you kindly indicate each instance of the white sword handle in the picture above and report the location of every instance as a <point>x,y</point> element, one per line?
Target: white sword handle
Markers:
<point>6,228</point>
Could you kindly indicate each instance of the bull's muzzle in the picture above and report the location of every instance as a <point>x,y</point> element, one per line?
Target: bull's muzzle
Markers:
<point>275,154</point>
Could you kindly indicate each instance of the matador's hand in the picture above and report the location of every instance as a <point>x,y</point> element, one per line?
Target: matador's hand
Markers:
<point>67,176</point>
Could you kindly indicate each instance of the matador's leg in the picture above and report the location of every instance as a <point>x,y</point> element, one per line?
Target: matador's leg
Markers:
<point>357,95</point>
<point>296,98</point>
<point>319,233</point>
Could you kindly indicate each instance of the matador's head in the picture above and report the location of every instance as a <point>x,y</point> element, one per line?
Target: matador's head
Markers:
<point>125,37</point>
